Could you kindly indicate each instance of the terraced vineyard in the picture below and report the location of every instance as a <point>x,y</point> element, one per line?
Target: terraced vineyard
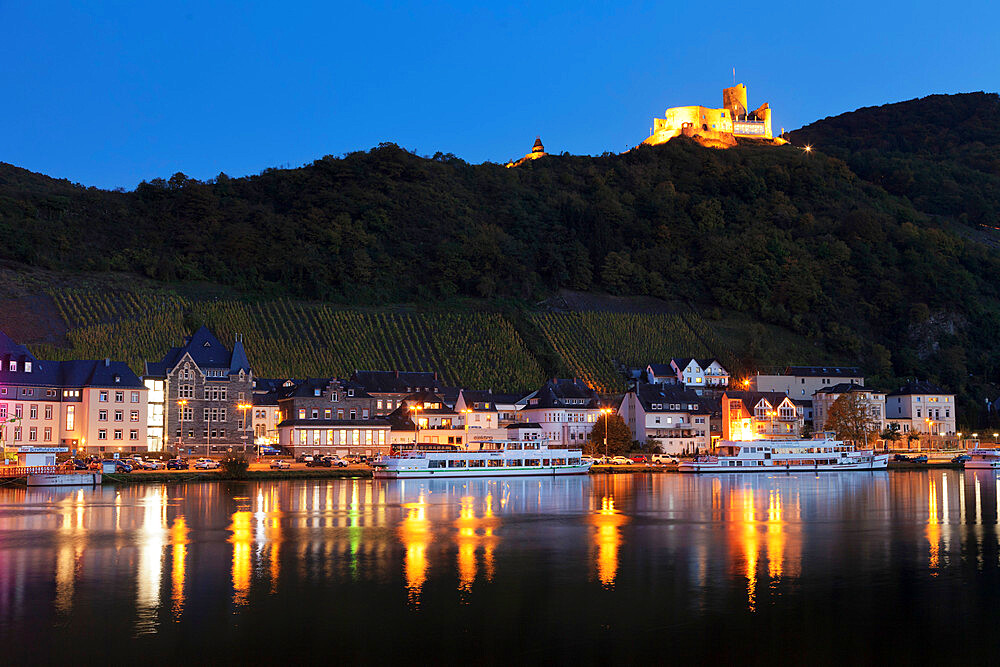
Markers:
<point>293,339</point>
<point>595,345</point>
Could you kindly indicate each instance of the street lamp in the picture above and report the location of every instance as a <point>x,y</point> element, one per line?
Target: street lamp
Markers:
<point>244,407</point>
<point>416,425</point>
<point>465,420</point>
<point>180,438</point>
<point>607,417</point>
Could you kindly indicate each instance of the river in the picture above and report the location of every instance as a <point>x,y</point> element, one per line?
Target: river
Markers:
<point>863,568</point>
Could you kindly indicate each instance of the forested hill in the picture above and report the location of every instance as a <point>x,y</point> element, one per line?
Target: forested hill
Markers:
<point>887,274</point>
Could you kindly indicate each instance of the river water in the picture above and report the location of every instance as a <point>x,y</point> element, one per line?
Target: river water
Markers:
<point>862,568</point>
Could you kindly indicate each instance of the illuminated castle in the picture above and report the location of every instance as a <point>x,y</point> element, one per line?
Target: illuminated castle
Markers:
<point>537,151</point>
<point>716,128</point>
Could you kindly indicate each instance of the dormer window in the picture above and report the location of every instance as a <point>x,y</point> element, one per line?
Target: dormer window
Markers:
<point>206,344</point>
<point>350,392</point>
<point>13,368</point>
<point>27,367</point>
<point>316,392</point>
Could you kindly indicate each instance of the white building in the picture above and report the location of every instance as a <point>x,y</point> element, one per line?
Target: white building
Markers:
<point>676,418</point>
<point>479,414</point>
<point>565,410</point>
<point>801,382</point>
<point>700,373</point>
<point>921,407</point>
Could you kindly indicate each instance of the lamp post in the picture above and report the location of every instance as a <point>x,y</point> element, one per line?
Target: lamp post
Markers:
<point>180,438</point>
<point>607,415</point>
<point>244,407</point>
<point>415,409</point>
<point>465,420</point>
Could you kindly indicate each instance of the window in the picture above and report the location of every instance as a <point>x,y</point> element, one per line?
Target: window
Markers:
<point>33,434</point>
<point>119,415</point>
<point>378,404</point>
<point>102,434</point>
<point>17,433</point>
<point>48,434</point>
<point>33,412</point>
<point>102,415</point>
<point>119,397</point>
<point>27,367</point>
<point>302,413</point>
<point>48,412</point>
<point>70,417</point>
<point>327,413</point>
<point>135,397</point>
<point>3,411</point>
<point>354,415</point>
<point>364,413</point>
<point>133,416</point>
<point>13,366</point>
<point>103,397</point>
<point>133,434</point>
<point>222,414</point>
<point>118,434</point>
<point>185,391</point>
<point>315,413</point>
<point>187,414</point>
<point>19,411</point>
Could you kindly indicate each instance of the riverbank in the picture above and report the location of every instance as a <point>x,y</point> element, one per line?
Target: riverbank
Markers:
<point>252,475</point>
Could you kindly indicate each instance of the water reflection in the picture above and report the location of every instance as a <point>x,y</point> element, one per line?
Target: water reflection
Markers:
<point>740,538</point>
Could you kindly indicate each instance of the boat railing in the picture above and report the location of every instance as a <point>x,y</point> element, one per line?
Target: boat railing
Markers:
<point>23,471</point>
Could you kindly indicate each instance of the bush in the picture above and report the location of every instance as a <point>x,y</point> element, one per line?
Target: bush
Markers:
<point>235,464</point>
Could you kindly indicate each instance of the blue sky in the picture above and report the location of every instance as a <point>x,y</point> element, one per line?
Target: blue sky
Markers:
<point>109,94</point>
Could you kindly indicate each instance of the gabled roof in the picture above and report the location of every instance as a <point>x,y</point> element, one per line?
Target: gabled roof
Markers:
<point>661,369</point>
<point>561,393</point>
<point>206,351</point>
<point>920,387</point>
<point>479,400</point>
<point>682,362</point>
<point>751,399</point>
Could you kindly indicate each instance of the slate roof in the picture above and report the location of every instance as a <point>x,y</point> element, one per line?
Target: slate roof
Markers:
<point>77,373</point>
<point>662,369</point>
<point>524,425</point>
<point>206,351</point>
<point>650,394</point>
<point>819,371</point>
<point>847,388</point>
<point>396,382</point>
<point>334,422</point>
<point>479,396</point>
<point>919,387</point>
<point>555,392</point>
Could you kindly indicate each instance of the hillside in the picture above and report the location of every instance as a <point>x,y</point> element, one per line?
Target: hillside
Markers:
<point>838,251</point>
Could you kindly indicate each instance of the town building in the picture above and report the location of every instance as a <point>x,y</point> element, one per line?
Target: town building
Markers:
<point>207,393</point>
<point>715,127</point>
<point>824,399</point>
<point>675,418</point>
<point>755,415</point>
<point>480,416</point>
<point>921,407</point>
<point>700,373</point>
<point>508,407</point>
<point>330,416</point>
<point>389,388</point>
<point>88,407</point>
<point>801,382</point>
<point>425,418</point>
<point>566,410</point>
<point>266,414</point>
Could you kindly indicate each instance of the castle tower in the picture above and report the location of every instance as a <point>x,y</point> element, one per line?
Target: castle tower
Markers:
<point>538,147</point>
<point>537,151</point>
<point>735,99</point>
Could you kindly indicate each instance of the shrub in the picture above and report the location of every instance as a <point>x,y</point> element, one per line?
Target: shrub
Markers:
<point>235,464</point>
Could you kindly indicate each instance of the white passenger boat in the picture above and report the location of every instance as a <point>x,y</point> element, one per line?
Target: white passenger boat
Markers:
<point>496,458</point>
<point>816,455</point>
<point>981,459</point>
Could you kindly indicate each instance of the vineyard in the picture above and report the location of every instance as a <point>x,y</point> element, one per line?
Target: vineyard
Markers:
<point>293,339</point>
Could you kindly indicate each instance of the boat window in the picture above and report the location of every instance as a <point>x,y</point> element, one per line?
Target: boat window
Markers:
<point>574,462</point>
<point>494,463</point>
<point>532,462</point>
<point>456,464</point>
<point>558,462</point>
<point>436,463</point>
<point>513,445</point>
<point>513,463</point>
<point>477,463</point>
<point>545,462</point>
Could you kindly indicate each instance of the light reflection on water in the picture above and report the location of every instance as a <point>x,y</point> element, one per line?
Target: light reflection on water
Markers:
<point>157,555</point>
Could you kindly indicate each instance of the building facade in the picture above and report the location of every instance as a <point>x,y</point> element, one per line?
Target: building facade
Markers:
<point>700,373</point>
<point>824,399</point>
<point>389,388</point>
<point>754,415</point>
<point>88,407</point>
<point>330,416</point>
<point>674,417</point>
<point>922,407</point>
<point>480,416</point>
<point>208,391</point>
<point>425,418</point>
<point>566,410</point>
<point>801,382</point>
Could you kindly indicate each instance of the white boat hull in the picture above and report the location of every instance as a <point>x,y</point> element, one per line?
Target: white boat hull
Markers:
<point>65,479</point>
<point>973,464</point>
<point>879,462</point>
<point>541,471</point>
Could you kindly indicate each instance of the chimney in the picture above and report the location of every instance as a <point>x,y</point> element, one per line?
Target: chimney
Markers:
<point>107,361</point>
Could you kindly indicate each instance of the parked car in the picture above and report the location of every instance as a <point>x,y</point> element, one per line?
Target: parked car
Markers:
<point>901,458</point>
<point>75,464</point>
<point>120,466</point>
<point>337,461</point>
<point>621,460</point>
<point>150,464</point>
<point>961,458</point>
<point>177,464</point>
<point>280,464</point>
<point>318,463</point>
<point>665,459</point>
<point>304,458</point>
<point>206,464</point>
<point>639,459</point>
<point>588,459</point>
<point>920,459</point>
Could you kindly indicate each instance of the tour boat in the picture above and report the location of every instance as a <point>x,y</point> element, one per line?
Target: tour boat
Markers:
<point>816,455</point>
<point>980,459</point>
<point>495,458</point>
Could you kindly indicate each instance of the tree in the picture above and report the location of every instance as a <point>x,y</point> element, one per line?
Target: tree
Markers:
<point>851,418</point>
<point>619,437</point>
<point>891,433</point>
<point>235,464</point>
